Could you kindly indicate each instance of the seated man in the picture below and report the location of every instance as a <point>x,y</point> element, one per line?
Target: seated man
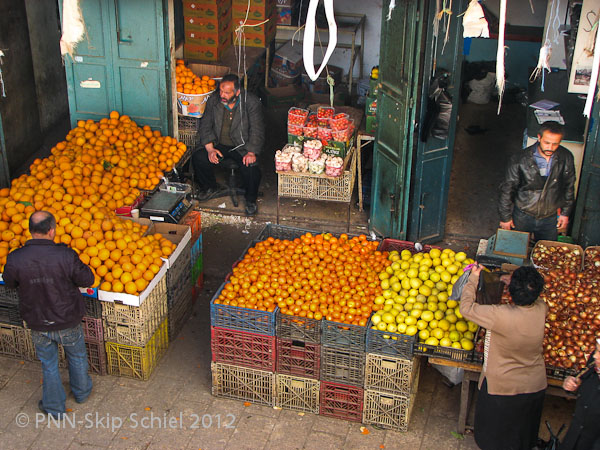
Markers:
<point>232,127</point>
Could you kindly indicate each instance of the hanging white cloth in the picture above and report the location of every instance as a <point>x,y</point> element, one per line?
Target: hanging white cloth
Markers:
<point>500,82</point>
<point>474,23</point>
<point>589,102</point>
<point>73,27</point>
<point>2,91</point>
<point>552,35</point>
<point>309,37</point>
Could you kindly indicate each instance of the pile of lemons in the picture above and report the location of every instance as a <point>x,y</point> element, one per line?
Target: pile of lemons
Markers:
<point>415,298</point>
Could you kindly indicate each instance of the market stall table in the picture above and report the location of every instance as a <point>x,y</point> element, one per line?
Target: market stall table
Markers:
<point>471,374</point>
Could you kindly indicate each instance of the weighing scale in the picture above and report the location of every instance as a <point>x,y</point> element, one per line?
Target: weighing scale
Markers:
<point>510,245</point>
<point>166,206</point>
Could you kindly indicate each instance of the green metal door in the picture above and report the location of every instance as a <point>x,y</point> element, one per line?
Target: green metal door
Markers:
<point>121,64</point>
<point>587,211</point>
<point>433,157</point>
<point>392,158</point>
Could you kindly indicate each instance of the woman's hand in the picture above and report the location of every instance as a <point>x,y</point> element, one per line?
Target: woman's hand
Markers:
<point>571,384</point>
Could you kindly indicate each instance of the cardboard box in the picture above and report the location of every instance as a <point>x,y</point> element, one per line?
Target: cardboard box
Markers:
<point>177,234</point>
<point>285,3</point>
<point>204,25</point>
<point>281,96</point>
<point>371,106</point>
<point>253,39</point>
<point>208,38</point>
<point>288,59</point>
<point>133,300</point>
<point>252,2</point>
<point>212,70</point>
<point>284,15</point>
<point>202,52</point>
<point>208,10</point>
<point>191,4</point>
<point>260,11</point>
<point>371,125</point>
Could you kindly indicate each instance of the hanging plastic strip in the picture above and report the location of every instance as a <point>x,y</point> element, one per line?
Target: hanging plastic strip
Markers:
<point>474,23</point>
<point>1,79</point>
<point>309,37</point>
<point>589,102</point>
<point>500,82</point>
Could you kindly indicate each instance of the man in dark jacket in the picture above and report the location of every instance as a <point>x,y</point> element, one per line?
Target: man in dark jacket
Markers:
<point>232,127</point>
<point>539,180</point>
<point>47,276</point>
<point>584,432</point>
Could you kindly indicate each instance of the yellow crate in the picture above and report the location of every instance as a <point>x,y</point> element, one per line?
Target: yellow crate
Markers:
<point>319,187</point>
<point>135,325</point>
<point>137,362</point>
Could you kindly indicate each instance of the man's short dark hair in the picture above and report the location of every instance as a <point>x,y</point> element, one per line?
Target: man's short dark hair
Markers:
<point>526,285</point>
<point>552,127</point>
<point>232,78</point>
<point>41,222</point>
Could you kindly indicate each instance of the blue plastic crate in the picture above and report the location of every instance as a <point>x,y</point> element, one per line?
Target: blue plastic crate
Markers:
<point>241,319</point>
<point>343,335</point>
<point>387,343</point>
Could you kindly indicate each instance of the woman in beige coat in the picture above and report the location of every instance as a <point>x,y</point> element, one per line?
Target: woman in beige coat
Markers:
<point>513,379</point>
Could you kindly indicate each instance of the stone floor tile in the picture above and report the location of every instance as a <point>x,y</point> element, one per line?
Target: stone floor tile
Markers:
<point>330,425</point>
<point>291,430</point>
<point>372,437</point>
<point>252,432</point>
<point>398,440</point>
<point>324,441</point>
<point>438,434</point>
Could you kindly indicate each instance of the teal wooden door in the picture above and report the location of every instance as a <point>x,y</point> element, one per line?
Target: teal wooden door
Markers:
<point>587,211</point>
<point>121,64</point>
<point>433,157</point>
<point>392,158</point>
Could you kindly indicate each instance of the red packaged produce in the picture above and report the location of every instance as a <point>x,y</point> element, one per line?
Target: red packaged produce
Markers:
<point>324,113</point>
<point>325,134</point>
<point>297,116</point>
<point>339,121</point>
<point>296,130</point>
<point>311,131</point>
<point>283,161</point>
<point>334,166</point>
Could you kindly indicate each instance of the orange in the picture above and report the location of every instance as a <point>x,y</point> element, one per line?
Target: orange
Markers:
<point>130,287</point>
<point>104,254</point>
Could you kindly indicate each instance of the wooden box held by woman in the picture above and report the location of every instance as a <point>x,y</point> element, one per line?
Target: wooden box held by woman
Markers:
<point>513,379</point>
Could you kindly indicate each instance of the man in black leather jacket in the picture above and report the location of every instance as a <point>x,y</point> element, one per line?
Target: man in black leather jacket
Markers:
<point>539,180</point>
<point>47,276</point>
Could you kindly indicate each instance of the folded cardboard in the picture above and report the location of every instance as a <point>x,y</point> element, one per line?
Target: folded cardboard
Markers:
<point>288,58</point>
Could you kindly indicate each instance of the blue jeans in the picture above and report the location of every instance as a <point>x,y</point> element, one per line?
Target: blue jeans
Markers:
<point>542,229</point>
<point>46,346</point>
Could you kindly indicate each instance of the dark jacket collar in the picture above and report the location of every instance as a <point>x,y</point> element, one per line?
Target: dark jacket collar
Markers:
<point>40,242</point>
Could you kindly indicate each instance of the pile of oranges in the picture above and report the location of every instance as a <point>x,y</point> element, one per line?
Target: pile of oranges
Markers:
<point>315,276</point>
<point>190,83</point>
<point>99,167</point>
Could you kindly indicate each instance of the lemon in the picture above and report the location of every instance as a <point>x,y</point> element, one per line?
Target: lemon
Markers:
<point>433,324</point>
<point>439,315</point>
<point>396,287</point>
<point>388,307</point>
<point>379,300</point>
<point>468,335</point>
<point>382,326</point>
<point>394,311</point>
<point>384,276</point>
<point>437,333</point>
<point>408,306</point>
<point>402,328</point>
<point>456,345</point>
<point>452,303</point>
<point>466,344</point>
<point>472,326</point>
<point>411,299</point>
<point>400,300</point>
<point>428,316</point>
<point>439,269</point>
<point>404,314</point>
<point>445,342</point>
<point>421,298</point>
<point>435,253</point>
<point>418,257</point>
<point>421,324</point>
<point>388,318</point>
<point>458,313</point>
<point>419,306</point>
<point>454,278</point>
<point>416,313</point>
<point>389,270</point>
<point>387,293</point>
<point>462,326</point>
<point>424,275</point>
<point>392,328</point>
<point>442,306</point>
<point>452,269</point>
<point>425,290</point>
<point>423,335</point>
<point>445,262</point>
<point>442,296</point>
<point>376,319</point>
<point>441,286</point>
<point>405,283</point>
<point>429,284</point>
<point>413,292</point>
<point>399,319</point>
<point>436,261</point>
<point>444,324</point>
<point>445,276</point>
<point>405,254</point>
<point>404,265</point>
<point>415,283</point>
<point>454,336</point>
<point>432,341</point>
<point>412,273</point>
<point>460,256</point>
<point>435,277</point>
<point>448,252</point>
<point>410,320</point>
<point>411,330</point>
<point>396,266</point>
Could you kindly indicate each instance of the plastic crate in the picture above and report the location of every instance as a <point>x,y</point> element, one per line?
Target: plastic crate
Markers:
<point>386,343</point>
<point>189,138</point>
<point>93,307</point>
<point>387,245</point>
<point>187,123</point>
<point>196,249</point>
<point>388,410</point>
<point>319,187</point>
<point>256,351</point>
<point>135,325</point>
<point>15,341</point>
<point>297,393</point>
<point>341,401</point>
<point>197,269</point>
<point>193,219</point>
<point>343,366</point>
<point>298,358</point>
<point>96,357</point>
<point>179,314</point>
<point>559,373</point>
<point>342,335</point>
<point>298,328</point>
<point>10,314</point>
<point>241,319</point>
<point>8,296</point>
<point>179,275</point>
<point>93,331</point>
<point>243,383</point>
<point>390,374</point>
<point>137,361</point>
<point>437,351</point>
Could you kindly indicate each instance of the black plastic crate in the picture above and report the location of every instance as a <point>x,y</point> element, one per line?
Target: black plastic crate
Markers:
<point>437,351</point>
<point>10,314</point>
<point>298,328</point>
<point>344,336</point>
<point>298,358</point>
<point>8,296</point>
<point>343,366</point>
<point>96,357</point>
<point>241,319</point>
<point>387,343</point>
<point>93,307</point>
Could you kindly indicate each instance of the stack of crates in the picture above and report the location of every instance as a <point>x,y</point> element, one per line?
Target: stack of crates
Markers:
<point>342,370</point>
<point>243,353</point>
<point>207,28</point>
<point>136,337</point>
<point>194,220</point>
<point>298,363</point>
<point>93,331</point>
<point>391,379</point>
<point>15,339</point>
<point>179,291</point>
<point>255,33</point>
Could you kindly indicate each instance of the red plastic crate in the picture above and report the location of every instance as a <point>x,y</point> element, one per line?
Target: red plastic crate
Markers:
<point>92,330</point>
<point>298,358</point>
<point>96,357</point>
<point>341,401</point>
<point>240,348</point>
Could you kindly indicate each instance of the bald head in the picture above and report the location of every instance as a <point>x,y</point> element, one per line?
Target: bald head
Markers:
<point>42,224</point>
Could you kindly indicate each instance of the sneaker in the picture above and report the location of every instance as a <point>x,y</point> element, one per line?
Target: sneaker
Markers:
<point>251,208</point>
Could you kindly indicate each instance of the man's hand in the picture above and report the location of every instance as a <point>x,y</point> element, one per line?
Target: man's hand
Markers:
<point>571,384</point>
<point>476,269</point>
<point>214,155</point>
<point>563,222</point>
<point>249,158</point>
<point>507,225</point>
